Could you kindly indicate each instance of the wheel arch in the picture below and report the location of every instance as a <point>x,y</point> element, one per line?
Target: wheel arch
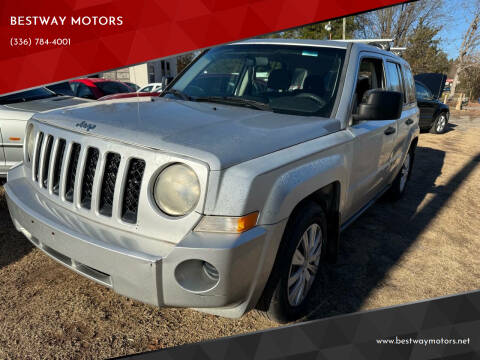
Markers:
<point>305,181</point>
<point>328,197</point>
<point>441,110</point>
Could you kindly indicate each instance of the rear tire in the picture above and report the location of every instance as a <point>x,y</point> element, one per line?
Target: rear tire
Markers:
<point>397,190</point>
<point>296,273</point>
<point>440,124</point>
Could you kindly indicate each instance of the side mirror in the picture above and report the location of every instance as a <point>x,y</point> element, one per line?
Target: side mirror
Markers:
<point>378,104</point>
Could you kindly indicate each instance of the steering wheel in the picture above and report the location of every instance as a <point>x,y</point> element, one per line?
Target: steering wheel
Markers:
<point>313,97</point>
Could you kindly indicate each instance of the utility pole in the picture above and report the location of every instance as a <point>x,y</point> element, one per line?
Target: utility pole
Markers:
<point>344,27</point>
<point>328,27</point>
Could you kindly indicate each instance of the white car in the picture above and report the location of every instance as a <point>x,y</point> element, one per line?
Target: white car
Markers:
<point>15,110</point>
<point>152,87</point>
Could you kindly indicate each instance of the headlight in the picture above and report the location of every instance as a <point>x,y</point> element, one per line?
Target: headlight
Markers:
<point>30,143</point>
<point>176,190</point>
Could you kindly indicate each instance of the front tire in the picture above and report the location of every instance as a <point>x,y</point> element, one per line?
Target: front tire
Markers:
<point>295,274</point>
<point>440,124</point>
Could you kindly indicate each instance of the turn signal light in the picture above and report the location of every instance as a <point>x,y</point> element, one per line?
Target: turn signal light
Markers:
<point>227,224</point>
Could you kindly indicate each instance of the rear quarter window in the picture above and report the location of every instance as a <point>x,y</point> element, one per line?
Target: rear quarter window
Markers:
<point>409,84</point>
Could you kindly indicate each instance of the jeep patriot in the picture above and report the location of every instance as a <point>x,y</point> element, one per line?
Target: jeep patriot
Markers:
<point>229,191</point>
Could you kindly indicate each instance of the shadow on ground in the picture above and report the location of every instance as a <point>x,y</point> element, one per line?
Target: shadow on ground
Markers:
<point>13,245</point>
<point>448,128</point>
<point>376,241</point>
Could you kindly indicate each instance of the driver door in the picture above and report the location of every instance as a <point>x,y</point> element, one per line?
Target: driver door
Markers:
<point>426,104</point>
<point>373,140</point>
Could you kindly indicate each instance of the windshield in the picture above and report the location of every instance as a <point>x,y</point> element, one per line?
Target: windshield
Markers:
<point>300,80</point>
<point>29,95</point>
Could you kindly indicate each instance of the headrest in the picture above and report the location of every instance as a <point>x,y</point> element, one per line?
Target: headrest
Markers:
<point>314,83</point>
<point>279,79</point>
<point>363,83</point>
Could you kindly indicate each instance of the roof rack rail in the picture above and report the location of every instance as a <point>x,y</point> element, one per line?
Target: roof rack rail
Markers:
<point>384,44</point>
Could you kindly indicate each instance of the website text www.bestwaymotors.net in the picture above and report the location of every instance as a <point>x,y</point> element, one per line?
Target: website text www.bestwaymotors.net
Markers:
<point>425,342</point>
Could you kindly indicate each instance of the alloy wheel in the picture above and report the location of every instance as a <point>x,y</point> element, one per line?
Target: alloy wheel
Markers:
<point>404,172</point>
<point>304,265</point>
<point>442,121</point>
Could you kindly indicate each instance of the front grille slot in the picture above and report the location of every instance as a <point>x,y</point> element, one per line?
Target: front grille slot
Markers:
<point>68,171</point>
<point>88,177</point>
<point>57,167</point>
<point>37,155</point>
<point>112,164</point>
<point>94,273</point>
<point>72,172</point>
<point>46,160</point>
<point>131,193</point>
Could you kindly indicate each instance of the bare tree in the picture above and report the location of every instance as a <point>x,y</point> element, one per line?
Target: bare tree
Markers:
<point>468,53</point>
<point>470,78</point>
<point>398,22</point>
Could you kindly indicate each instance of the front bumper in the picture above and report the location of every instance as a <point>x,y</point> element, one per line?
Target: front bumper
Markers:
<point>166,274</point>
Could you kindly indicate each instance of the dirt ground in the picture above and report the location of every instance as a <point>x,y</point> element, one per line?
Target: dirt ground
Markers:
<point>424,246</point>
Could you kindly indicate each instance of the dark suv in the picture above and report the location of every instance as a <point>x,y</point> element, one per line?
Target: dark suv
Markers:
<point>434,114</point>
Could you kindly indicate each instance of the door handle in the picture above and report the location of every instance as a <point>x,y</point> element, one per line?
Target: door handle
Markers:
<point>409,122</point>
<point>390,130</point>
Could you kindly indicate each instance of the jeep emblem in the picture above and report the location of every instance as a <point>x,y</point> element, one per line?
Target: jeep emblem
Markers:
<point>86,126</point>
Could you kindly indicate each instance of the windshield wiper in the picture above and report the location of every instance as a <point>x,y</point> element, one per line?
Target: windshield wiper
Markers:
<point>22,99</point>
<point>231,100</point>
<point>179,94</point>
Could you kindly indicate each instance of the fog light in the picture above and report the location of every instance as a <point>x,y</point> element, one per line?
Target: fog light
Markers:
<point>210,270</point>
<point>196,275</point>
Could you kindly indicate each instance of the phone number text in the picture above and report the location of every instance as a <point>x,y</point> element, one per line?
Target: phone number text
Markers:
<point>17,42</point>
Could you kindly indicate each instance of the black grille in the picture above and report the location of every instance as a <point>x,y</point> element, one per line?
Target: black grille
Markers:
<point>132,190</point>
<point>108,183</point>
<point>37,152</point>
<point>57,167</point>
<point>60,170</point>
<point>71,172</point>
<point>88,176</point>
<point>46,163</point>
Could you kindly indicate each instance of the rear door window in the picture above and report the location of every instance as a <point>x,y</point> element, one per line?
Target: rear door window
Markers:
<point>393,76</point>
<point>422,92</point>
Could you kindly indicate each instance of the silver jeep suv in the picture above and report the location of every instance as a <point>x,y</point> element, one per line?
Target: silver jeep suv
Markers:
<point>229,192</point>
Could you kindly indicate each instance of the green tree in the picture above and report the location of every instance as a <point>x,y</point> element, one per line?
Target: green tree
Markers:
<point>184,60</point>
<point>423,52</point>
<point>317,31</point>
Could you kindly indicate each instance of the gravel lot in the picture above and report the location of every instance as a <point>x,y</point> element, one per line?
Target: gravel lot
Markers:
<point>424,246</point>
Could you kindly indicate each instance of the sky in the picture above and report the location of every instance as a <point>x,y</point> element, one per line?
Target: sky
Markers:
<point>456,22</point>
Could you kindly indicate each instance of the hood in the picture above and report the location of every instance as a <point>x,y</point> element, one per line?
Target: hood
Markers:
<point>46,104</point>
<point>435,82</point>
<point>220,135</point>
